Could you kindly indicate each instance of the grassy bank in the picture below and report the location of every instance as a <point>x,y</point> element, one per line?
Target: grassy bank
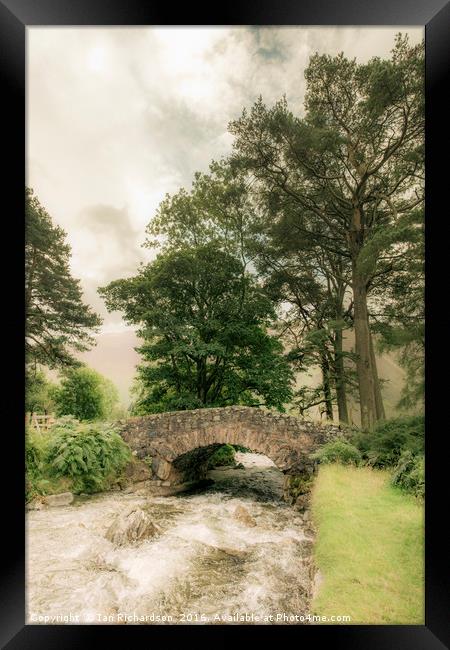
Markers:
<point>369,547</point>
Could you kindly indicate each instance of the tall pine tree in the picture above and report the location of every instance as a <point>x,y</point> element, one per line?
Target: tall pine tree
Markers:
<point>58,323</point>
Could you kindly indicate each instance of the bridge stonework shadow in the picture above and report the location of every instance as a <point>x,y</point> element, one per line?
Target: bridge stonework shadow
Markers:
<point>178,444</point>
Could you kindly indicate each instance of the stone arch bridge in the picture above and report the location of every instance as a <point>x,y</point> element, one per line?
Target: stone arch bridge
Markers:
<point>177,445</point>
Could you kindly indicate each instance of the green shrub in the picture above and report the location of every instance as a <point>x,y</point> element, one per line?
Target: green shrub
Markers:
<point>35,449</point>
<point>338,451</point>
<point>223,456</point>
<point>383,446</point>
<point>91,454</point>
<point>85,394</point>
<point>34,453</point>
<point>409,473</point>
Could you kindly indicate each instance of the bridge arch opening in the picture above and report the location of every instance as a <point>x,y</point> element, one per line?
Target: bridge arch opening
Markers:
<point>239,473</point>
<point>256,474</point>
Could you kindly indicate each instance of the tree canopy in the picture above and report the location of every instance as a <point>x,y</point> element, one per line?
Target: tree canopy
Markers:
<point>204,322</point>
<point>312,227</point>
<point>345,174</point>
<point>85,394</point>
<point>39,393</point>
<point>57,321</point>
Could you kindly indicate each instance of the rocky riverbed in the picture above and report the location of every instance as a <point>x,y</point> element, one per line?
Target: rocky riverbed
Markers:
<point>230,553</point>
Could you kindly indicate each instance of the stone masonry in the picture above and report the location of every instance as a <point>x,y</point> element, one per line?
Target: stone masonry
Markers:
<point>177,445</point>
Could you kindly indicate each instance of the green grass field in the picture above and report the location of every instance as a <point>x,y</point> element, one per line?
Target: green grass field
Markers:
<point>369,548</point>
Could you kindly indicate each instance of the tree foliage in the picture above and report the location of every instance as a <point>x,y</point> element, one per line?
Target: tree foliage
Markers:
<point>57,321</point>
<point>39,393</point>
<point>204,324</point>
<point>346,173</point>
<point>312,227</point>
<point>219,208</point>
<point>86,395</point>
<point>400,310</point>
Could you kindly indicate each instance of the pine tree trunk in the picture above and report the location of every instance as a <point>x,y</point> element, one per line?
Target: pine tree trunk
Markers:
<point>379,406</point>
<point>362,349</point>
<point>341,393</point>
<point>327,388</point>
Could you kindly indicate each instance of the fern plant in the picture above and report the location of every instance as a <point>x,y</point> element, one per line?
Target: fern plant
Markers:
<point>91,454</point>
<point>409,473</point>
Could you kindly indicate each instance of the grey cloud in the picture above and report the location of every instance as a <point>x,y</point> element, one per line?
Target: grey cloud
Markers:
<point>117,239</point>
<point>107,220</point>
<point>182,137</point>
<point>108,234</point>
<point>118,117</point>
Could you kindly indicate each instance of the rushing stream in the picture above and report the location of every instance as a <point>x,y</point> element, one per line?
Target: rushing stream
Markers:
<point>205,566</point>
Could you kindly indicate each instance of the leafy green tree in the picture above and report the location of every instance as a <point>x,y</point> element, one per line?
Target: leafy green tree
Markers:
<point>349,170</point>
<point>204,323</point>
<point>220,208</point>
<point>311,286</point>
<point>399,313</point>
<point>57,321</point>
<point>86,395</point>
<point>39,393</point>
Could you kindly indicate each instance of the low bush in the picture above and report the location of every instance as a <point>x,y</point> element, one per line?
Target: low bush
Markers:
<point>34,452</point>
<point>34,462</point>
<point>409,473</point>
<point>223,456</point>
<point>338,451</point>
<point>92,455</point>
<point>383,446</point>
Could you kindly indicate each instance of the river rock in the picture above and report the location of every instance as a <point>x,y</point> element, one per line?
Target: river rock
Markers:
<point>132,526</point>
<point>137,471</point>
<point>234,552</point>
<point>221,551</point>
<point>54,500</point>
<point>244,517</point>
<point>36,504</point>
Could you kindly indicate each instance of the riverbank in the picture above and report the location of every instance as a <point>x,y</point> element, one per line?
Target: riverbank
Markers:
<point>369,548</point>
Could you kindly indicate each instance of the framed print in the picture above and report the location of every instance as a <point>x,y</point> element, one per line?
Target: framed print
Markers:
<point>228,402</point>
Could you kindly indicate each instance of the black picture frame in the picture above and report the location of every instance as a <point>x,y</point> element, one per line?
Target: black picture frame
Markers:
<point>15,16</point>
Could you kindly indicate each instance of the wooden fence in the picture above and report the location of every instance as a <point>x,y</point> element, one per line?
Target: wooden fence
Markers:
<point>39,423</point>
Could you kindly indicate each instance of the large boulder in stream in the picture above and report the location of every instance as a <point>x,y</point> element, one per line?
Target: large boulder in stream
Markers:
<point>244,517</point>
<point>131,526</point>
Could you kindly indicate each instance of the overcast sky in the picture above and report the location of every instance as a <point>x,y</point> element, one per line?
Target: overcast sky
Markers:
<point>118,117</point>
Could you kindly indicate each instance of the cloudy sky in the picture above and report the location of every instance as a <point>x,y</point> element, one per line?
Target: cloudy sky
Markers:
<point>118,117</point>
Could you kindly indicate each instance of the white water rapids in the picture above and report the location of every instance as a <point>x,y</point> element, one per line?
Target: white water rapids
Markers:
<point>205,567</point>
